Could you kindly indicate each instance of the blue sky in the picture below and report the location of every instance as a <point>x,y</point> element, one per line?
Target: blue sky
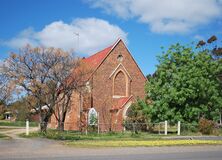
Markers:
<point>145,25</point>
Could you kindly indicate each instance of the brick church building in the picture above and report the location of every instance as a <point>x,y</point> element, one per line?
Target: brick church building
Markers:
<point>115,83</point>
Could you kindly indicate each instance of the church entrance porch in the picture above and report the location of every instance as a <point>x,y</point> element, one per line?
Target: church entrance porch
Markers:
<point>119,113</point>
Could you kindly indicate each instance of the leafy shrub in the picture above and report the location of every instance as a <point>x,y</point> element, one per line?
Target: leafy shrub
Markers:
<point>206,126</point>
<point>187,128</point>
<point>1,117</point>
<point>138,117</point>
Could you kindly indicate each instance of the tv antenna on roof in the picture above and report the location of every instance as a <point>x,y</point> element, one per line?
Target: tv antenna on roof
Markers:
<point>77,35</point>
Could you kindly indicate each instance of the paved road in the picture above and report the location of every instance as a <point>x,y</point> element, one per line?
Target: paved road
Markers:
<point>44,149</point>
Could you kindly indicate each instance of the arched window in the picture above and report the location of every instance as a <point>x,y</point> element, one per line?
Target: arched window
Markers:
<point>120,84</point>
<point>92,117</point>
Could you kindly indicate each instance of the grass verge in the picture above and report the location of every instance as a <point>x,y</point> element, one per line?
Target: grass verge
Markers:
<point>116,139</point>
<point>71,135</point>
<point>141,143</point>
<point>2,136</point>
<point>17,123</point>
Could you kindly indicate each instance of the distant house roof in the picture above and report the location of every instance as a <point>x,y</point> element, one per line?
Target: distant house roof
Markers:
<point>7,112</point>
<point>45,107</point>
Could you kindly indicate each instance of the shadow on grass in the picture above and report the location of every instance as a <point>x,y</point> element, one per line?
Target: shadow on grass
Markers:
<point>75,136</point>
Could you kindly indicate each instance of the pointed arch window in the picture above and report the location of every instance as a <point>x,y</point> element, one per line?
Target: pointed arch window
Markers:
<point>120,84</point>
<point>121,80</point>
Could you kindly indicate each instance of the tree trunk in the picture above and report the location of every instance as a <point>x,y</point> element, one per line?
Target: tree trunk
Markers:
<point>43,126</point>
<point>61,121</point>
<point>60,126</point>
<point>44,119</point>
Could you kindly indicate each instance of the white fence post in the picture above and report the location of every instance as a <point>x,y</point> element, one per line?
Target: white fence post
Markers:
<point>87,122</point>
<point>39,126</point>
<point>178,128</point>
<point>27,127</point>
<point>165,131</point>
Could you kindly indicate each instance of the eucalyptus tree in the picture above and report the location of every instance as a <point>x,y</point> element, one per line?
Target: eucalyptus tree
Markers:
<point>41,74</point>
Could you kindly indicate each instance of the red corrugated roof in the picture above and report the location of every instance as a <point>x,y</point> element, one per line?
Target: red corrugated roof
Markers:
<point>97,58</point>
<point>121,102</point>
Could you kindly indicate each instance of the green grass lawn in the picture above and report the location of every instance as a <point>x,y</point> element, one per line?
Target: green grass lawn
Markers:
<point>17,123</point>
<point>142,143</point>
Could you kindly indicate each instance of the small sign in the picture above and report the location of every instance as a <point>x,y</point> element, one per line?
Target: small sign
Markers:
<point>92,117</point>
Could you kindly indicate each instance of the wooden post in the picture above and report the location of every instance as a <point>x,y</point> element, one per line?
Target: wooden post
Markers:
<point>165,131</point>
<point>27,127</point>
<point>134,128</point>
<point>98,122</point>
<point>178,128</point>
<point>39,126</point>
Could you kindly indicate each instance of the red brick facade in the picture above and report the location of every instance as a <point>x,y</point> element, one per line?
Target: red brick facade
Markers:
<point>115,83</point>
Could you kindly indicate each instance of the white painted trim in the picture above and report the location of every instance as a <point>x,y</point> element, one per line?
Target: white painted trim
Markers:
<point>126,107</point>
<point>114,71</point>
<point>114,45</point>
<point>116,96</point>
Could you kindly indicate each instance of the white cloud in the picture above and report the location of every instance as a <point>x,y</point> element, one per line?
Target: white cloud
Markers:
<point>164,16</point>
<point>120,7</point>
<point>94,34</point>
<point>198,37</point>
<point>25,37</point>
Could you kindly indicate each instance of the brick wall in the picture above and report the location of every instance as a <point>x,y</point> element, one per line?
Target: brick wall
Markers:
<point>103,84</point>
<point>114,77</point>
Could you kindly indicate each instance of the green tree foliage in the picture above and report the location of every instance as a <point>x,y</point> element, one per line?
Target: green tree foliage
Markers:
<point>185,86</point>
<point>138,112</point>
<point>20,109</point>
<point>138,117</point>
